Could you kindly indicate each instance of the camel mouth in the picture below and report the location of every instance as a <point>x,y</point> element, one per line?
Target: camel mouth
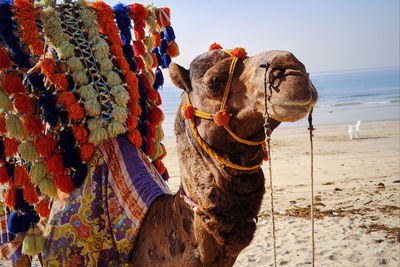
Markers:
<point>289,113</point>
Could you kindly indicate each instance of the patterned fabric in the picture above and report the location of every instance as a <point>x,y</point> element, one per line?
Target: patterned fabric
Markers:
<point>97,224</point>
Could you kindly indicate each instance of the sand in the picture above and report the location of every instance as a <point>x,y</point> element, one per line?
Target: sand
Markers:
<point>357,197</point>
<point>357,194</point>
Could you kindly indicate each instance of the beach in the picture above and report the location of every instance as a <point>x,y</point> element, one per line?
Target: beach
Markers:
<point>357,197</point>
<point>356,193</point>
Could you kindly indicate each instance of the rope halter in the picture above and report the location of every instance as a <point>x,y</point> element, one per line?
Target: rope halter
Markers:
<point>221,117</point>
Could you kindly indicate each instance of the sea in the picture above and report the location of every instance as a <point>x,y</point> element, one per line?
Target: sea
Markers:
<point>344,98</point>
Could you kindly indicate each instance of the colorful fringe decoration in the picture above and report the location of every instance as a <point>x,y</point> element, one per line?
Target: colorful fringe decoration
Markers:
<point>53,118</point>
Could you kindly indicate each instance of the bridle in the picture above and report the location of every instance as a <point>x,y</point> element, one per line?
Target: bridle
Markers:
<point>222,117</point>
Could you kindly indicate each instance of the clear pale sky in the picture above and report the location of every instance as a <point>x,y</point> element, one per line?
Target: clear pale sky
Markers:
<point>324,35</point>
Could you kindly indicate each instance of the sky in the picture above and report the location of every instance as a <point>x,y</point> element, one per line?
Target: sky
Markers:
<point>324,35</point>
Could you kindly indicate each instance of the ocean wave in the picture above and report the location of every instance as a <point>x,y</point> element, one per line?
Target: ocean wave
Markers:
<point>357,103</point>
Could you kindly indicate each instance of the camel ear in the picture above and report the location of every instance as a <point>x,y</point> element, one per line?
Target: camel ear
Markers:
<point>180,77</point>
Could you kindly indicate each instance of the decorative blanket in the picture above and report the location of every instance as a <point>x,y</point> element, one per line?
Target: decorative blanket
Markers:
<point>97,224</point>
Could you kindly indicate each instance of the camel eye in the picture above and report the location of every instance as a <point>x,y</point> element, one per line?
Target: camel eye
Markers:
<point>214,84</point>
<point>277,73</point>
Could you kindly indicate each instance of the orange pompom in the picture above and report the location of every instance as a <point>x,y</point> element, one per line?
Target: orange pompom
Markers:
<point>4,178</point>
<point>21,177</point>
<point>238,52</point>
<point>55,164</point>
<point>137,12</point>
<point>64,183</point>
<point>139,32</point>
<point>156,38</point>
<point>45,145</point>
<point>10,147</point>
<point>140,64</point>
<point>48,66</point>
<point>30,194</point>
<point>173,50</point>
<point>60,81</point>
<point>42,208</point>
<point>221,118</point>
<point>5,62</point>
<point>80,133</point>
<point>132,121</point>
<point>214,46</point>
<point>10,197</point>
<point>75,111</point>
<point>66,98</point>
<point>187,111</point>
<point>3,129</point>
<point>12,83</point>
<point>138,48</point>
<point>163,17</point>
<point>23,104</point>
<point>132,81</point>
<point>33,124</point>
<point>86,151</point>
<point>135,138</point>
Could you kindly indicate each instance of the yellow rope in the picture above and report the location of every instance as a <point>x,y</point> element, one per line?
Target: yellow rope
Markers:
<point>213,154</point>
<point>240,140</point>
<point>228,83</point>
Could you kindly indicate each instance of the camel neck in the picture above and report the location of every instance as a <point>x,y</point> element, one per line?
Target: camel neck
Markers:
<point>228,200</point>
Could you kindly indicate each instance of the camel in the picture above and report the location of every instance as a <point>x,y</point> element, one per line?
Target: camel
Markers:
<point>227,200</point>
<point>213,216</point>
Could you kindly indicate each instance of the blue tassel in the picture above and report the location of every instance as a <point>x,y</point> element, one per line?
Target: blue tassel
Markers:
<point>36,81</point>
<point>32,217</point>
<point>129,55</point>
<point>166,61</point>
<point>66,139</point>
<point>10,169</point>
<point>123,22</point>
<point>159,79</point>
<point>63,114</point>
<point>163,46</point>
<point>161,34</point>
<point>158,55</point>
<point>165,175</point>
<point>20,203</point>
<point>17,223</point>
<point>71,158</point>
<point>2,155</point>
<point>78,177</point>
<point>6,32</point>
<point>48,104</point>
<point>142,127</point>
<point>170,34</point>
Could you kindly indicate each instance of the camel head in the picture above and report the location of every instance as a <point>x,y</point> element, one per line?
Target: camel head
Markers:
<point>291,94</point>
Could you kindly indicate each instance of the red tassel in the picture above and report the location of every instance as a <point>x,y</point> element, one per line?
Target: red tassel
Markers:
<point>140,64</point>
<point>64,183</point>
<point>155,115</point>
<point>23,103</point>
<point>12,83</point>
<point>4,178</point>
<point>10,197</point>
<point>10,147</point>
<point>48,66</point>
<point>33,125</point>
<point>21,177</point>
<point>135,138</point>
<point>159,166</point>
<point>42,208</point>
<point>132,121</point>
<point>30,194</point>
<point>163,20</point>
<point>45,145</point>
<point>155,36</point>
<point>86,152</point>
<point>60,81</point>
<point>137,12</point>
<point>80,133</point>
<point>75,111</point>
<point>151,132</point>
<point>151,147</point>
<point>139,32</point>
<point>66,98</point>
<point>54,164</point>
<point>5,62</point>
<point>138,48</point>
<point>155,60</point>
<point>3,129</point>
